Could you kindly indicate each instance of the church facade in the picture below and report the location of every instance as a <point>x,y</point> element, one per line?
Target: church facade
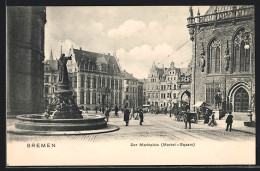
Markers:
<point>223,58</point>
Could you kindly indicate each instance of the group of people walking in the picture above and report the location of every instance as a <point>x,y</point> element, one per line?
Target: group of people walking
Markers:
<point>128,115</point>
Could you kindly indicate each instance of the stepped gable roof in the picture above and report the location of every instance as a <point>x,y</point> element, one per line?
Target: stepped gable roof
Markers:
<point>128,76</point>
<point>160,71</point>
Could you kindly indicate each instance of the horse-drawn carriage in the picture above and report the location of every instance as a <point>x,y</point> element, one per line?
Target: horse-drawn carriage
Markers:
<point>180,116</point>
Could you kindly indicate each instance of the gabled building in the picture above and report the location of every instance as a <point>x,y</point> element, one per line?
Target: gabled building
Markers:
<point>97,79</point>
<point>161,88</point>
<point>131,91</point>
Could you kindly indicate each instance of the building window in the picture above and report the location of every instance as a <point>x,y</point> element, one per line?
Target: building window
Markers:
<point>127,89</point>
<point>127,81</point>
<point>120,85</point>
<point>112,83</point>
<point>120,98</point>
<point>116,98</point>
<point>88,97</point>
<point>112,98</point>
<point>88,82</point>
<point>241,55</point>
<point>46,90</point>
<point>108,83</point>
<point>46,79</point>
<point>174,95</point>
<point>75,81</point>
<point>81,97</point>
<point>211,90</point>
<point>214,57</point>
<point>174,87</point>
<point>94,82</point>
<point>93,97</point>
<point>82,81</point>
<point>116,84</point>
<point>103,82</point>
<point>126,97</point>
<point>99,82</point>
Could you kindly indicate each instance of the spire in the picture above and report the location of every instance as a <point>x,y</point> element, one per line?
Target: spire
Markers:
<point>51,56</point>
<point>191,11</point>
<point>198,12</point>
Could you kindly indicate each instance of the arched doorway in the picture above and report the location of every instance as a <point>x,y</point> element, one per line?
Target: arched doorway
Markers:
<point>241,100</point>
<point>185,98</point>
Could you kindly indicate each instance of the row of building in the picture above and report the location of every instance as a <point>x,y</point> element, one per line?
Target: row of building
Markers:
<point>96,80</point>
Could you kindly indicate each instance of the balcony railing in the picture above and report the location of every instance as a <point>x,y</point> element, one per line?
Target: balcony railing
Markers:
<point>236,13</point>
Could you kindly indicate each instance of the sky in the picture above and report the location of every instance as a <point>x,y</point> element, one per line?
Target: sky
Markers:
<point>140,35</point>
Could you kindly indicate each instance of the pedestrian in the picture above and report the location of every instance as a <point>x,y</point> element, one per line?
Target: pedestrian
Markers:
<point>116,111</point>
<point>206,117</point>
<point>212,121</point>
<point>103,109</point>
<point>141,115</point>
<point>170,111</point>
<point>132,113</point>
<point>165,110</point>
<point>229,121</point>
<point>126,116</point>
<point>96,108</point>
<point>107,113</point>
<point>187,118</point>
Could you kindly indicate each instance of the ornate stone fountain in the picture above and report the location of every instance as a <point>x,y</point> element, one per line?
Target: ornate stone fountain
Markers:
<point>62,116</point>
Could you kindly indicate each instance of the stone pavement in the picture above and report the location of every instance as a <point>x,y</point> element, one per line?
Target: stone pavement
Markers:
<point>237,125</point>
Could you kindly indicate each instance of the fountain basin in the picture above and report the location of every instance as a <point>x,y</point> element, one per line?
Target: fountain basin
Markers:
<point>38,122</point>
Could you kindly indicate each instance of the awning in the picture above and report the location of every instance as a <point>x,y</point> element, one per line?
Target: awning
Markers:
<point>200,103</point>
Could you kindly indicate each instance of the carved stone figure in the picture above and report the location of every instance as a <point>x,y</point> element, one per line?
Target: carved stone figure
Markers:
<point>227,57</point>
<point>62,69</point>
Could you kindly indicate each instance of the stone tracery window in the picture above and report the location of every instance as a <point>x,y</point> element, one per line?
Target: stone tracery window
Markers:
<point>241,60</point>
<point>214,57</point>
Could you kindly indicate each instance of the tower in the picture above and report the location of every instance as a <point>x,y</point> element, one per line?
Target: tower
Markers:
<point>24,60</point>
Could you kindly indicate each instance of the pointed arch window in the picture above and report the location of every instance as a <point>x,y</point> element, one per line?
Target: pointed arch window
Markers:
<point>241,61</point>
<point>214,57</point>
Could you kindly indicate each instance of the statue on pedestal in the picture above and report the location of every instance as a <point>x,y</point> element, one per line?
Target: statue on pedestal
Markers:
<point>62,68</point>
<point>64,105</point>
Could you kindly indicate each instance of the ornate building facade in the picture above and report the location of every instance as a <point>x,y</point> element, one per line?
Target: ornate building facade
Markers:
<point>25,55</point>
<point>224,57</point>
<point>97,79</point>
<point>161,89</point>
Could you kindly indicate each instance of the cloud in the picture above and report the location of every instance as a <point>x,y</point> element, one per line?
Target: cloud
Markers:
<point>127,29</point>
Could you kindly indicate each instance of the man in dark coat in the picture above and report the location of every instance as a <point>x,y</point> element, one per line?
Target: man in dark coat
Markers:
<point>107,113</point>
<point>229,121</point>
<point>187,118</point>
<point>126,116</point>
<point>141,116</point>
<point>116,110</point>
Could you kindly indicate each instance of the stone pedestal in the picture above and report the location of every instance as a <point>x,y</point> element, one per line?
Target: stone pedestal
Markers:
<point>64,105</point>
